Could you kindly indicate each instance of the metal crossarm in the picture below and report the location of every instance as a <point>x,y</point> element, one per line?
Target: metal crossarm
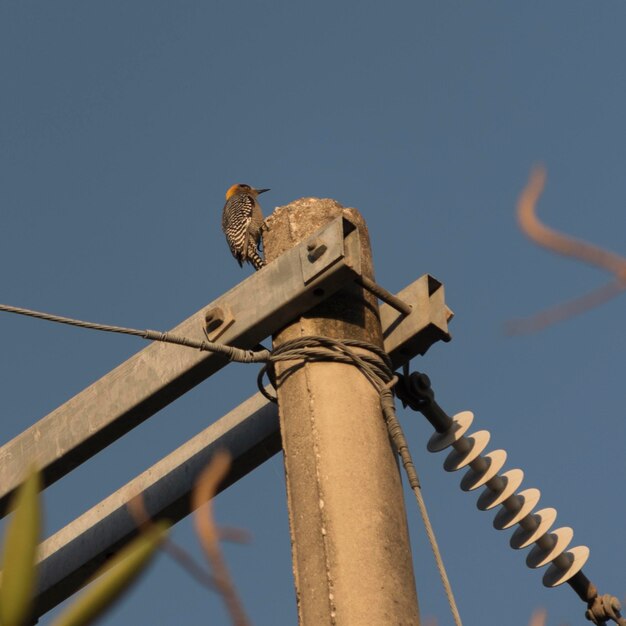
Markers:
<point>160,373</point>
<point>251,434</point>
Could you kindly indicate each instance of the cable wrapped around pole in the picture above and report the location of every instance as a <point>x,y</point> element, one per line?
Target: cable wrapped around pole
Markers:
<point>414,391</point>
<point>372,361</point>
<point>377,369</point>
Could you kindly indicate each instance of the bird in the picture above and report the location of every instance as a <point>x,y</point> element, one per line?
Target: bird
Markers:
<point>242,223</point>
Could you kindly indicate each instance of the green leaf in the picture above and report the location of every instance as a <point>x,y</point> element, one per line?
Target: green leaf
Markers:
<point>116,577</point>
<point>19,551</point>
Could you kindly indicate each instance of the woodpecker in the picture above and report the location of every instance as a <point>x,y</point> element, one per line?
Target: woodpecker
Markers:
<point>242,223</point>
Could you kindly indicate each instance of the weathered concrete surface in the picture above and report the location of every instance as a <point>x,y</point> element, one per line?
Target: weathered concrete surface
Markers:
<point>351,553</point>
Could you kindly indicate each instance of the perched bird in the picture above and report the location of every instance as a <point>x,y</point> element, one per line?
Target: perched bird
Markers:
<point>242,223</point>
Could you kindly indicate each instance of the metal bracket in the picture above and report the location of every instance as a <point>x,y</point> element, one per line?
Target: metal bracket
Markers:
<point>217,320</point>
<point>250,432</point>
<point>152,378</point>
<point>426,323</point>
<point>337,240</point>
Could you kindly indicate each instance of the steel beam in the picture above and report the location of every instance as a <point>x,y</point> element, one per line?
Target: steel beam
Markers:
<point>69,557</point>
<point>161,372</point>
<point>251,434</point>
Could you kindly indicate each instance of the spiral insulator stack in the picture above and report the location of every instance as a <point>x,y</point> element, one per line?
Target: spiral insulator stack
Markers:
<point>517,507</point>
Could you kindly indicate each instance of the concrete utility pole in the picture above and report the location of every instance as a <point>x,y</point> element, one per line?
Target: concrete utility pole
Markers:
<point>350,545</point>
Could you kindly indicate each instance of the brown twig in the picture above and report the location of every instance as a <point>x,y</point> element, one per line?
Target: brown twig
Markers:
<point>567,246</point>
<point>556,241</point>
<point>565,310</point>
<point>204,491</point>
<point>234,535</point>
<point>538,618</point>
<point>138,511</point>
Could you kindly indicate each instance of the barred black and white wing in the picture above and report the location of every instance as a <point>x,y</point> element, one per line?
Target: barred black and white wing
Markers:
<point>241,222</point>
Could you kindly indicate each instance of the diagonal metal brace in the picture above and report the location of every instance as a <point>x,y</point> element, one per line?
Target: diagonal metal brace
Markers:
<point>382,294</point>
<point>160,373</point>
<point>250,432</point>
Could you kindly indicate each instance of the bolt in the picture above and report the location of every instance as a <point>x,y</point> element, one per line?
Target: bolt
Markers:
<point>214,318</point>
<point>316,249</point>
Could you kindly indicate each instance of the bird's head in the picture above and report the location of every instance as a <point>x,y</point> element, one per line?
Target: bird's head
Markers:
<point>241,188</point>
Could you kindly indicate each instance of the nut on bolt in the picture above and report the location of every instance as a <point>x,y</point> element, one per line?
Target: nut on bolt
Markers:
<point>315,248</point>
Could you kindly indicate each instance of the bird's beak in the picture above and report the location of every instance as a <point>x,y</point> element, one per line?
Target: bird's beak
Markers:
<point>262,190</point>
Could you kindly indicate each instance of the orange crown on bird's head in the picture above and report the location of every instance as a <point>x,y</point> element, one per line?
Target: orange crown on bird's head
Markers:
<point>243,188</point>
<point>235,188</point>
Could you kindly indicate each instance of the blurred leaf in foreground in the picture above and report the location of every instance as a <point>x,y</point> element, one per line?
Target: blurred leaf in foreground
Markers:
<point>115,578</point>
<point>19,574</point>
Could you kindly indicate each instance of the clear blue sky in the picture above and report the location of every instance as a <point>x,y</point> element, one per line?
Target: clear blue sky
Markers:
<point>121,126</point>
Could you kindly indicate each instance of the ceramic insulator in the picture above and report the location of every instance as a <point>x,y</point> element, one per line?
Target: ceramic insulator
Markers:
<point>501,489</point>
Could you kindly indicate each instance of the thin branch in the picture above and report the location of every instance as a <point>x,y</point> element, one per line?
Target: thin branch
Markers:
<point>565,245</point>
<point>204,491</point>
<point>538,618</point>
<point>565,310</point>
<point>138,511</point>
<point>137,508</point>
<point>558,242</point>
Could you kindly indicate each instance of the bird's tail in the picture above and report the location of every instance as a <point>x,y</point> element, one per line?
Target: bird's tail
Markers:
<point>254,257</point>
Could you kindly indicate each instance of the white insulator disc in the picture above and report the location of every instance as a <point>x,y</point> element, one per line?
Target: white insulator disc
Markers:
<point>542,521</point>
<point>476,443</point>
<point>526,502</point>
<point>460,423</point>
<point>495,462</point>
<point>559,540</point>
<point>489,498</point>
<point>556,576</point>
